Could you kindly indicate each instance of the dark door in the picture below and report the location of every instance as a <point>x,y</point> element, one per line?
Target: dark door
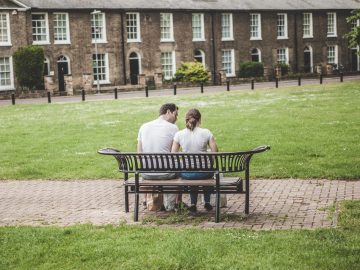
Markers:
<point>134,70</point>
<point>307,61</point>
<point>62,70</point>
<point>354,60</point>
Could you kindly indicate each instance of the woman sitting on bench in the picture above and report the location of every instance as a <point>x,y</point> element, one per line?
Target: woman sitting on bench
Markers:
<point>194,139</point>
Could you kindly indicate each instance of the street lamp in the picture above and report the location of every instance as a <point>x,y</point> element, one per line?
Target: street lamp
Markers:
<point>96,31</point>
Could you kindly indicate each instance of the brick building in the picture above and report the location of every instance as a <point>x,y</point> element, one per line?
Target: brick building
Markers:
<point>120,42</point>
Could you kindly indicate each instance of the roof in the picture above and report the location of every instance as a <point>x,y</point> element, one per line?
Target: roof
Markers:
<point>194,4</point>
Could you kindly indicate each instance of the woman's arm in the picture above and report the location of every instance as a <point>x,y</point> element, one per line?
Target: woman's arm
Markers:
<point>175,147</point>
<point>213,145</point>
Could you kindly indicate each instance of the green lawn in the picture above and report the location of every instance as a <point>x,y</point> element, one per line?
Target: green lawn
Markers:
<point>314,132</point>
<point>132,247</point>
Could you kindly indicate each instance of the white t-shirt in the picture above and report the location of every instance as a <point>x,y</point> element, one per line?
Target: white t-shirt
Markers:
<point>157,136</point>
<point>193,141</point>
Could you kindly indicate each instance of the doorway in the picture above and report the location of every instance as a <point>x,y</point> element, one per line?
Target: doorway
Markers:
<point>63,69</point>
<point>354,59</point>
<point>307,60</point>
<point>134,68</point>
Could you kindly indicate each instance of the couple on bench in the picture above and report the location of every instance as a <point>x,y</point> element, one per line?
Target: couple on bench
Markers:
<point>163,136</point>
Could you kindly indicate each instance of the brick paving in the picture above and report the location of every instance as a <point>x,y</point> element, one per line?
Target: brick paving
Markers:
<point>274,204</point>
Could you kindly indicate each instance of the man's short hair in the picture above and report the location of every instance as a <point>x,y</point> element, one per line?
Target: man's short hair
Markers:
<point>168,106</point>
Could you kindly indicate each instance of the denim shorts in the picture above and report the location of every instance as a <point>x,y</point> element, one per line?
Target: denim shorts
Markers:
<point>196,175</point>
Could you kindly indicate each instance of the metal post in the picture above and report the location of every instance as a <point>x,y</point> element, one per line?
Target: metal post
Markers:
<point>277,83</point>
<point>202,87</point>
<point>175,89</point>
<point>341,77</point>
<point>227,85</point>
<point>299,81</point>
<point>146,91</point>
<point>116,93</point>
<point>83,95</point>
<point>321,78</point>
<point>49,97</point>
<point>13,99</point>
<point>252,84</point>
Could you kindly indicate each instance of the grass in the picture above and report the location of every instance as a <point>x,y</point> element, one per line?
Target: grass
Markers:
<point>314,132</point>
<point>133,247</point>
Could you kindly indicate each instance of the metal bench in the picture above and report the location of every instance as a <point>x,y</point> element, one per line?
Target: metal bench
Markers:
<point>217,163</point>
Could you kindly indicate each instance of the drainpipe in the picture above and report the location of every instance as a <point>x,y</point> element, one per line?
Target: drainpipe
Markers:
<point>123,48</point>
<point>296,44</point>
<point>213,49</point>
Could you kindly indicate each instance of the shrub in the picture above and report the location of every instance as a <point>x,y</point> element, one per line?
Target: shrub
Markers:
<point>285,68</point>
<point>251,69</point>
<point>191,72</point>
<point>29,66</point>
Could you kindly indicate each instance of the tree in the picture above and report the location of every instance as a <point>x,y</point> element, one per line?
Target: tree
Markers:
<point>354,35</point>
<point>29,66</point>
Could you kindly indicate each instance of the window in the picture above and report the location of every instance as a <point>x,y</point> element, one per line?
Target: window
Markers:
<point>255,26</point>
<point>282,56</point>
<point>133,27</point>
<point>199,56</point>
<point>101,68</point>
<point>332,54</point>
<point>40,28</point>
<point>61,28</point>
<point>198,27</point>
<point>166,27</point>
<point>6,74</point>
<point>282,26</point>
<point>98,28</point>
<point>307,25</point>
<point>354,24</point>
<point>255,55</point>
<point>46,66</point>
<point>331,24</point>
<point>168,64</point>
<point>228,63</point>
<point>226,26</point>
<point>5,39</point>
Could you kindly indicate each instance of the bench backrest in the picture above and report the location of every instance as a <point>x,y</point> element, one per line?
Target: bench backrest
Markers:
<point>222,162</point>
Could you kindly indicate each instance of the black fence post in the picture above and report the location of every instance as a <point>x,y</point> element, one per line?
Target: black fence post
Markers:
<point>49,97</point>
<point>202,87</point>
<point>116,93</point>
<point>175,89</point>
<point>299,81</point>
<point>13,99</point>
<point>146,91</point>
<point>252,84</point>
<point>277,83</point>
<point>227,85</point>
<point>341,77</point>
<point>321,78</point>
<point>83,95</point>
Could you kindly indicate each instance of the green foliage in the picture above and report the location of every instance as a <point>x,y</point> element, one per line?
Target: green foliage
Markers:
<point>285,68</point>
<point>29,66</point>
<point>191,72</point>
<point>251,69</point>
<point>354,35</point>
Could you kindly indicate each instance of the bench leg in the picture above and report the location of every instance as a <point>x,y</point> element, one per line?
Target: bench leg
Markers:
<point>126,199</point>
<point>247,187</point>
<point>136,208</point>
<point>247,201</point>
<point>217,207</point>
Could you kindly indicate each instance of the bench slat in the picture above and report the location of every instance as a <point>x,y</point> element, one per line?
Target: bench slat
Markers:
<point>227,181</point>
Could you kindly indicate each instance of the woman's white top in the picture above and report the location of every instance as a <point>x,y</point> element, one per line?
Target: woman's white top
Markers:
<point>194,141</point>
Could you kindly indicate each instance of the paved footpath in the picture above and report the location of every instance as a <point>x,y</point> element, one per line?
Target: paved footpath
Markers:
<point>274,204</point>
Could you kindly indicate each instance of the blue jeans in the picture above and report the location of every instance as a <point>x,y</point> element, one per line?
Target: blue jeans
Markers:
<point>197,176</point>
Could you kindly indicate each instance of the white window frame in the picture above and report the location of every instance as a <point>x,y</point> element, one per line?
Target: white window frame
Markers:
<point>67,41</point>
<point>259,53</point>
<point>310,35</point>
<point>8,32</point>
<point>102,29</point>
<point>106,59</point>
<point>202,32</point>
<point>232,54</point>
<point>333,32</point>
<point>47,61</point>
<point>336,60</point>
<point>42,42</point>
<point>173,65</point>
<point>258,26</point>
<point>285,36</point>
<point>202,56</point>
<point>286,55</point>
<point>231,30</point>
<point>11,86</point>
<point>138,37</point>
<point>171,28</point>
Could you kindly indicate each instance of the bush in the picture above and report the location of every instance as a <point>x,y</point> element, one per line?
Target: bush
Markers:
<point>285,68</point>
<point>29,66</point>
<point>251,69</point>
<point>191,72</point>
